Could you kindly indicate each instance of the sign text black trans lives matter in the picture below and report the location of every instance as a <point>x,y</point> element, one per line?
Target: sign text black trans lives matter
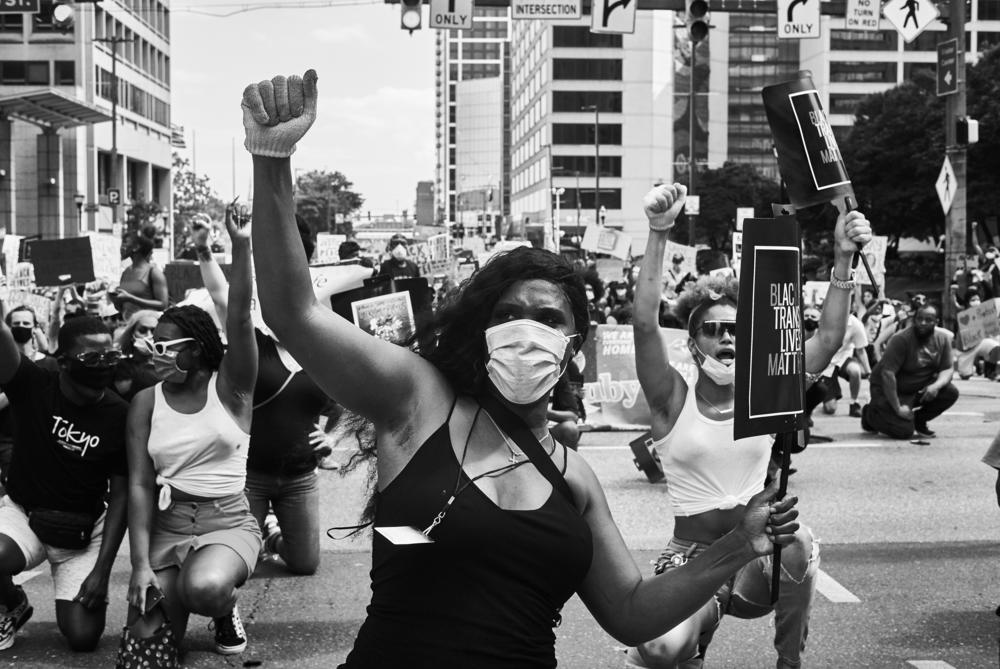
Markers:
<point>769,353</point>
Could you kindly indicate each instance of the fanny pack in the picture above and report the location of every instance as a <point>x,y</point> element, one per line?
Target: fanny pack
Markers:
<point>62,529</point>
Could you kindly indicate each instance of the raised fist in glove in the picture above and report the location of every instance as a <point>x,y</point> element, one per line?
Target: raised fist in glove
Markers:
<point>662,205</point>
<point>278,112</point>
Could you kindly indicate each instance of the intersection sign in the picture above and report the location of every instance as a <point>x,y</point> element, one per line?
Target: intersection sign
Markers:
<point>910,17</point>
<point>947,67</point>
<point>946,185</point>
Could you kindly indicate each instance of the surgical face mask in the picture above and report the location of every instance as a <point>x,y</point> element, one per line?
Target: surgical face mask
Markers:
<point>721,373</point>
<point>22,335</point>
<point>166,369</point>
<point>525,359</point>
<point>143,345</point>
<point>399,252</point>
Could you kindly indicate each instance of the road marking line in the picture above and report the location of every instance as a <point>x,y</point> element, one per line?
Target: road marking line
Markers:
<point>835,444</point>
<point>26,576</point>
<point>833,591</point>
<point>929,664</point>
<point>963,413</point>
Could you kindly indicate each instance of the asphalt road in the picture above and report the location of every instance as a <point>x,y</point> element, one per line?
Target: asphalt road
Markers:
<point>910,556</point>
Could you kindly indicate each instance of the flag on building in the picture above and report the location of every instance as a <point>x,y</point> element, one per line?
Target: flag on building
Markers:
<point>177,136</point>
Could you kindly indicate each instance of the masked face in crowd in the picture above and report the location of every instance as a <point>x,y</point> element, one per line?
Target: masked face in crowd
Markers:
<point>528,340</point>
<point>810,321</point>
<point>173,353</point>
<point>142,335</point>
<point>713,344</point>
<point>22,325</point>
<point>398,252</point>
<point>91,362</point>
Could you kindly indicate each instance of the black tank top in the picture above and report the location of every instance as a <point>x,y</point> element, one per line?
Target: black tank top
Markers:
<point>486,594</point>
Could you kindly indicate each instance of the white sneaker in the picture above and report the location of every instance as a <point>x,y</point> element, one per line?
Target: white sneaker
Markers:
<point>14,620</point>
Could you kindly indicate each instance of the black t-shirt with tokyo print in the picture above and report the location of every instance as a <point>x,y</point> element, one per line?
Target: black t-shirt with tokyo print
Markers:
<point>64,453</point>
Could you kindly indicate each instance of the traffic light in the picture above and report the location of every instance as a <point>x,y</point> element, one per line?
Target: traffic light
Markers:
<point>966,131</point>
<point>410,14</point>
<point>696,20</point>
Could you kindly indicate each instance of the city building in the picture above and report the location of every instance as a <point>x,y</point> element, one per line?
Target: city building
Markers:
<point>56,103</point>
<point>424,204</point>
<point>463,56</point>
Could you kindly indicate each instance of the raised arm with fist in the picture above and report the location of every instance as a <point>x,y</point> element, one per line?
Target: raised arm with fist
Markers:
<point>278,112</point>
<point>662,204</point>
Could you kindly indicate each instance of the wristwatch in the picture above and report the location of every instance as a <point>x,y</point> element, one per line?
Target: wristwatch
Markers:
<point>837,283</point>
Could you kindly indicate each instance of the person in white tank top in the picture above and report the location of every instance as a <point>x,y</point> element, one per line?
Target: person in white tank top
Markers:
<point>710,475</point>
<point>191,534</point>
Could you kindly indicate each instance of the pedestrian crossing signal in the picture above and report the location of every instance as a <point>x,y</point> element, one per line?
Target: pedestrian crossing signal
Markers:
<point>966,131</point>
<point>410,14</point>
<point>696,20</point>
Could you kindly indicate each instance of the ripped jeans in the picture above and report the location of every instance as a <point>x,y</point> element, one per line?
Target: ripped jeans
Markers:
<point>746,595</point>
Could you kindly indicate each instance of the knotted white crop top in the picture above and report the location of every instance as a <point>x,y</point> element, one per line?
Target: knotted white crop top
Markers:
<point>202,454</point>
<point>705,467</point>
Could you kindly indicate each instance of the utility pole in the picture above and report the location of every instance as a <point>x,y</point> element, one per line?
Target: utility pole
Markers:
<point>691,144</point>
<point>113,176</point>
<point>955,238</point>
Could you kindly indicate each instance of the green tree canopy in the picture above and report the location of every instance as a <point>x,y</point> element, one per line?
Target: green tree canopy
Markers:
<point>724,189</point>
<point>324,199</point>
<point>192,195</point>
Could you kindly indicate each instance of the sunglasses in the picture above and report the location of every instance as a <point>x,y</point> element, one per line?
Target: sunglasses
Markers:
<point>717,328</point>
<point>100,358</point>
<point>163,347</point>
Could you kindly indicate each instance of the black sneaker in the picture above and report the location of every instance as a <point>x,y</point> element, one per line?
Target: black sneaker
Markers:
<point>12,621</point>
<point>920,427</point>
<point>855,410</point>
<point>865,425</point>
<point>230,637</point>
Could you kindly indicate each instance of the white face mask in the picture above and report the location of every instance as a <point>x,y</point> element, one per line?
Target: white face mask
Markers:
<point>398,252</point>
<point>166,369</point>
<point>526,359</point>
<point>721,373</point>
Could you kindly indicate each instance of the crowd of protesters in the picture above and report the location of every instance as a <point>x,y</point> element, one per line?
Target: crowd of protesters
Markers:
<point>199,427</point>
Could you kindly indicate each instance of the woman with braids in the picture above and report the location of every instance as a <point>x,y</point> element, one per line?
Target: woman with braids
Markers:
<point>191,533</point>
<point>712,478</point>
<point>478,541</point>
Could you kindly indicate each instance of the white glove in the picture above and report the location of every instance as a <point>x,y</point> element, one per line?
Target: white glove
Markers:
<point>277,114</point>
<point>662,205</point>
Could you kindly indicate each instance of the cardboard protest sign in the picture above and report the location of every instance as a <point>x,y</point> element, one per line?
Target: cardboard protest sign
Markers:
<point>23,276</point>
<point>388,317</point>
<point>977,323</point>
<point>439,246</point>
<point>611,384</point>
<point>106,255</point>
<point>419,301</point>
<point>11,252</point>
<point>327,248</point>
<point>875,253</point>
<point>769,359</point>
<point>610,269</point>
<point>42,306</point>
<point>689,264</point>
<point>600,239</point>
<point>61,261</point>
<point>814,292</point>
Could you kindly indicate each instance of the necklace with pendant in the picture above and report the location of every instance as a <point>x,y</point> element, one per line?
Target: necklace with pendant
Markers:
<point>515,454</point>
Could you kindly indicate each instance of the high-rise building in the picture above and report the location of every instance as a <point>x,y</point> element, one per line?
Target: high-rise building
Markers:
<point>423,206</point>
<point>56,99</point>
<point>461,57</point>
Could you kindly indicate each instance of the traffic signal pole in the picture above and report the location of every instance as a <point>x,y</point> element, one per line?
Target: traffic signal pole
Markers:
<point>955,221</point>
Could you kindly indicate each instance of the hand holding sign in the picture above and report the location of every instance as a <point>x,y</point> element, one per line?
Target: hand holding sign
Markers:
<point>851,233</point>
<point>662,204</point>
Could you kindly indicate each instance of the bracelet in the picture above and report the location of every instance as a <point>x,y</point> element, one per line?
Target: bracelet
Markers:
<point>203,252</point>
<point>837,283</point>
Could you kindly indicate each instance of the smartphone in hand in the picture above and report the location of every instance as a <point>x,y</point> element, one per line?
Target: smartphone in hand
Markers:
<point>153,597</point>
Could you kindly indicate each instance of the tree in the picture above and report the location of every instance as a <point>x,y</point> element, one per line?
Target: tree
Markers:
<point>724,189</point>
<point>142,214</point>
<point>325,199</point>
<point>192,195</point>
<point>983,104</point>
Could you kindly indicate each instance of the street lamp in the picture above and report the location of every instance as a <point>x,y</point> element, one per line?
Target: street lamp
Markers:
<point>597,159</point>
<point>78,199</point>
<point>556,232</point>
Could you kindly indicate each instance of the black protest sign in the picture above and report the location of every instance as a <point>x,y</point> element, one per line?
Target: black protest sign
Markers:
<point>769,359</point>
<point>418,288</point>
<point>808,156</point>
<point>61,261</point>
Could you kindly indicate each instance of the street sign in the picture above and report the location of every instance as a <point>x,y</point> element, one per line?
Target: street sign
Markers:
<point>742,213</point>
<point>947,67</point>
<point>18,6</point>
<point>910,17</point>
<point>945,185</point>
<point>451,14</point>
<point>798,19</point>
<point>861,15</point>
<point>613,16</point>
<point>692,205</point>
<point>552,10</point>
<point>114,196</point>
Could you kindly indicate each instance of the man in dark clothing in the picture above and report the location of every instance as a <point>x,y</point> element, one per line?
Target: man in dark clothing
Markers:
<point>69,448</point>
<point>399,266</point>
<point>911,384</point>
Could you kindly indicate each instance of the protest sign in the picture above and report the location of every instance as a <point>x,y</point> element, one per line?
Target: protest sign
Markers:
<point>327,248</point>
<point>11,252</point>
<point>23,276</point>
<point>601,239</point>
<point>42,306</point>
<point>875,254</point>
<point>61,261</point>
<point>610,269</point>
<point>106,255</point>
<point>814,293</point>
<point>388,317</point>
<point>439,246</point>
<point>977,323</point>
<point>688,265</point>
<point>769,361</point>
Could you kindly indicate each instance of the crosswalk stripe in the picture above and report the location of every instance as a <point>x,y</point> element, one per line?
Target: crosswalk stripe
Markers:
<point>833,591</point>
<point>963,413</point>
<point>929,664</point>
<point>25,576</point>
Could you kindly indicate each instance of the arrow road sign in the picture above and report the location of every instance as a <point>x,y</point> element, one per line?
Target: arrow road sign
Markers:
<point>946,185</point>
<point>910,17</point>
<point>613,16</point>
<point>798,19</point>
<point>947,67</point>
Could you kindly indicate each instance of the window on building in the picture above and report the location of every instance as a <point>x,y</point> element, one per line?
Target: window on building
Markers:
<point>863,71</point>
<point>24,72</point>
<point>480,71</point>
<point>989,10</point>
<point>602,69</point>
<point>580,36</point>
<point>65,73</point>
<point>583,133</point>
<point>103,171</point>
<point>863,40</point>
<point>611,198</point>
<point>987,40</point>
<point>42,21</point>
<point>480,50</point>
<point>842,103</point>
<point>611,166</point>
<point>573,101</point>
<point>12,23</point>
